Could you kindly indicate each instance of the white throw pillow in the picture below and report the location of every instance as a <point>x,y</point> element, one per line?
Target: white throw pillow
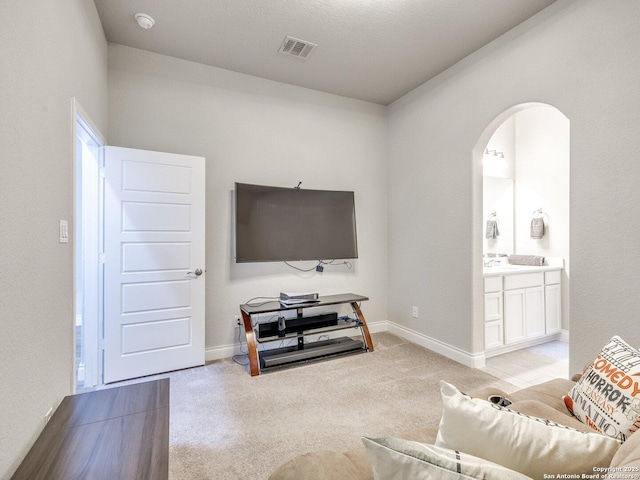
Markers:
<point>607,396</point>
<point>529,445</point>
<point>398,459</point>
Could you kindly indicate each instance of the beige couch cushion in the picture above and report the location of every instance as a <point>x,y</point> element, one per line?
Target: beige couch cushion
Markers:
<point>550,393</point>
<point>628,456</point>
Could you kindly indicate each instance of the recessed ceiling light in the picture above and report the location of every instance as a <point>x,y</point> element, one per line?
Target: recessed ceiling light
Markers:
<point>144,20</point>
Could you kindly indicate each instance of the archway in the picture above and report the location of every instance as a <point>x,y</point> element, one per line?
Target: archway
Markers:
<point>531,142</point>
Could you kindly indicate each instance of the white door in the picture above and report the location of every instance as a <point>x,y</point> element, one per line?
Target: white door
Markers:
<point>154,231</point>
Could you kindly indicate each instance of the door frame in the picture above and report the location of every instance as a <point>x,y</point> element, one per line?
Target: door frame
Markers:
<point>79,115</point>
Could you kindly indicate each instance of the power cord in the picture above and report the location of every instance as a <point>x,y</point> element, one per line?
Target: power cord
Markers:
<point>243,357</point>
<point>320,265</point>
<point>259,304</point>
<point>302,269</point>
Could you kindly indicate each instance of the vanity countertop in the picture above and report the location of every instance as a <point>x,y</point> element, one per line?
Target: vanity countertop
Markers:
<point>514,269</point>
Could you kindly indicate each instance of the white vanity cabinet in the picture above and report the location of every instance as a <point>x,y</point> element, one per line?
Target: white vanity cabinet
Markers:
<point>521,308</point>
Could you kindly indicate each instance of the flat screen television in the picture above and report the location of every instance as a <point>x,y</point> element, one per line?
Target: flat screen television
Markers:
<point>287,224</point>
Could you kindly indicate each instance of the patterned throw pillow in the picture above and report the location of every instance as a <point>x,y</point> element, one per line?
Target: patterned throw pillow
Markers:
<point>607,396</point>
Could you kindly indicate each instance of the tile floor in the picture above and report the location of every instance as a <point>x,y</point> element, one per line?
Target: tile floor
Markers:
<point>532,365</point>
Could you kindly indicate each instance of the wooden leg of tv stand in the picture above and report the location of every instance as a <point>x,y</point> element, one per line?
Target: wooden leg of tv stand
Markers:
<point>365,329</point>
<point>251,344</point>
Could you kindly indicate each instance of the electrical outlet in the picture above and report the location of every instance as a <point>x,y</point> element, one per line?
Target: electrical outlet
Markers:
<point>48,415</point>
<point>415,312</point>
<point>238,321</point>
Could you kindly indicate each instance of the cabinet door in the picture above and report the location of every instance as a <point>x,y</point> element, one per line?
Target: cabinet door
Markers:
<point>553,308</point>
<point>514,315</point>
<point>492,306</point>
<point>493,337</point>
<point>534,312</point>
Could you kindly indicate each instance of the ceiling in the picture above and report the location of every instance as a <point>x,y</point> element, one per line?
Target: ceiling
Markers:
<point>372,50</point>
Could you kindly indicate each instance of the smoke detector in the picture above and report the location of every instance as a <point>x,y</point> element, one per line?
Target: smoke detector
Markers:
<point>294,47</point>
<point>144,20</point>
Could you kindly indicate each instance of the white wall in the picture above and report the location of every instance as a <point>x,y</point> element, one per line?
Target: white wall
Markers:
<point>497,187</point>
<point>498,199</point>
<point>258,131</point>
<point>50,51</point>
<point>580,57</point>
<point>502,141</point>
<point>542,181</point>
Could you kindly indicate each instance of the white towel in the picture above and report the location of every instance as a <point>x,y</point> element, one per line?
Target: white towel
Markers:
<point>537,227</point>
<point>492,229</point>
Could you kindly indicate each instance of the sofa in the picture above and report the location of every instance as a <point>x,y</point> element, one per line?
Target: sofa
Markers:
<point>543,401</point>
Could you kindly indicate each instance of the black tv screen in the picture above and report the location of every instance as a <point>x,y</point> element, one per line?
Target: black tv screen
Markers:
<point>287,224</point>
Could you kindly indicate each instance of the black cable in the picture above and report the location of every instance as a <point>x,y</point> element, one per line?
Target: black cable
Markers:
<point>243,357</point>
<point>302,269</point>
<point>321,262</point>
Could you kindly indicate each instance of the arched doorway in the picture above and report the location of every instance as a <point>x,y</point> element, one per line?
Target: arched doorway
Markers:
<point>521,165</point>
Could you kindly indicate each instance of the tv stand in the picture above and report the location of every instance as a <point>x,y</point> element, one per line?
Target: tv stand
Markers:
<point>300,326</point>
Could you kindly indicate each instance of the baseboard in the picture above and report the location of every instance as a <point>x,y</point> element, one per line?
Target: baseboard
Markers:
<point>473,360</point>
<point>219,353</point>
<point>465,358</point>
<point>520,345</point>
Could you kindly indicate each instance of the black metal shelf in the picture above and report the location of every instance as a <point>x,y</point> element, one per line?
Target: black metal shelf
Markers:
<point>340,325</point>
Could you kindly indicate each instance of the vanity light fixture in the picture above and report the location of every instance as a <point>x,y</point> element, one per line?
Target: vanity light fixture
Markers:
<point>144,20</point>
<point>494,163</point>
<point>494,153</point>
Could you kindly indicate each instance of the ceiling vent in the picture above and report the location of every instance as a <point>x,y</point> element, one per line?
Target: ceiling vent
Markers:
<point>297,48</point>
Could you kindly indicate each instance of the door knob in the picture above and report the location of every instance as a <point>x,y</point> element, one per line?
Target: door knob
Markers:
<point>197,272</point>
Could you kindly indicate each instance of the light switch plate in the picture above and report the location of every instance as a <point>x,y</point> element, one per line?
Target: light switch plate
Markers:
<point>64,231</point>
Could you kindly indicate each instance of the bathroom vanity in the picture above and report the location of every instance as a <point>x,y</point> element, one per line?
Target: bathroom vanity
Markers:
<point>522,306</point>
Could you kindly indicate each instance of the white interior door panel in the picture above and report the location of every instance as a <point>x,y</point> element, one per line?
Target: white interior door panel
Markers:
<point>154,262</point>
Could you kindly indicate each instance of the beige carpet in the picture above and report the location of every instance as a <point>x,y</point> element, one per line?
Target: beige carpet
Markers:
<point>226,424</point>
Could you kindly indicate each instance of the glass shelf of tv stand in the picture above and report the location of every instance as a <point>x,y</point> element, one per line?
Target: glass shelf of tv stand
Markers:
<point>300,332</point>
